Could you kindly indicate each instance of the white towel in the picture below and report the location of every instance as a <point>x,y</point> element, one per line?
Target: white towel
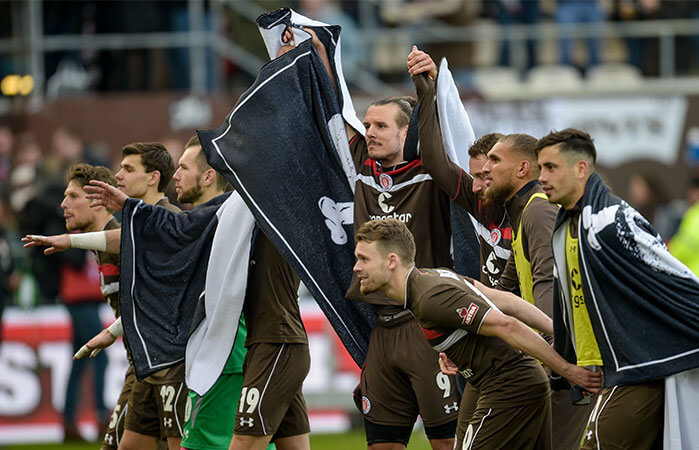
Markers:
<point>682,411</point>
<point>457,132</point>
<point>209,346</point>
<point>273,42</point>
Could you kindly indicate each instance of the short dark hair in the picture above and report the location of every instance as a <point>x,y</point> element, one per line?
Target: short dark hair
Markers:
<point>405,104</point>
<point>569,140</point>
<point>221,183</point>
<point>84,173</point>
<point>483,145</point>
<point>523,144</point>
<point>392,235</point>
<point>154,156</point>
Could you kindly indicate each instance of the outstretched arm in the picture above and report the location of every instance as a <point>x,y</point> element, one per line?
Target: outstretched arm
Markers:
<point>515,306</point>
<point>523,338</point>
<point>104,241</point>
<point>104,339</point>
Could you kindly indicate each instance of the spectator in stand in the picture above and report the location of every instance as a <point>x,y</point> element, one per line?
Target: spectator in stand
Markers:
<point>40,212</point>
<point>647,195</point>
<point>638,49</point>
<point>329,11</point>
<point>644,53</point>
<point>694,14</point>
<point>516,12</point>
<point>7,139</point>
<point>23,178</point>
<point>685,244</point>
<point>569,12</point>
<point>9,276</point>
<point>679,9</point>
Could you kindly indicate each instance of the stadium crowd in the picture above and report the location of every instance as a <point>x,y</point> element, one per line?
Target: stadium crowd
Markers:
<point>154,69</point>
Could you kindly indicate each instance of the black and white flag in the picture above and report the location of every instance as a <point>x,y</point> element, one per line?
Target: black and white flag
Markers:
<point>285,150</point>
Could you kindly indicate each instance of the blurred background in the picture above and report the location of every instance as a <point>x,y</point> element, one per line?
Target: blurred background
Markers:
<point>81,79</point>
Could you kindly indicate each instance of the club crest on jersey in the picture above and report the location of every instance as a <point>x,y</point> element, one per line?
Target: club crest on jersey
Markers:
<point>495,236</point>
<point>366,405</point>
<point>467,314</point>
<point>386,181</point>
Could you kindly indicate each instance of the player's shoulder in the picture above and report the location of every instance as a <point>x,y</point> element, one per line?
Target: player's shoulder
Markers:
<point>165,203</point>
<point>539,209</point>
<point>434,280</point>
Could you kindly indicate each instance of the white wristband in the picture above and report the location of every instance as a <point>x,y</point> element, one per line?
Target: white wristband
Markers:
<point>116,329</point>
<point>89,241</point>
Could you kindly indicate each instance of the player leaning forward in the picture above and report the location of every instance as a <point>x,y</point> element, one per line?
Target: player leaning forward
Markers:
<point>513,409</point>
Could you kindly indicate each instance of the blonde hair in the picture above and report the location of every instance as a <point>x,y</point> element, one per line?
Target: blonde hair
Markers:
<point>391,235</point>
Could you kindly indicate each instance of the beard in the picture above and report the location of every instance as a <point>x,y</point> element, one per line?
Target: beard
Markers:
<point>372,285</point>
<point>191,195</point>
<point>78,226</point>
<point>366,290</point>
<point>497,194</point>
<point>491,213</point>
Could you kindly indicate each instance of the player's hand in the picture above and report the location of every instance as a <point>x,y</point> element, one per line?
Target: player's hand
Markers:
<point>446,365</point>
<point>420,62</point>
<point>103,194</point>
<point>288,40</point>
<point>315,41</point>
<point>103,340</point>
<point>585,378</point>
<point>57,243</point>
<point>290,44</point>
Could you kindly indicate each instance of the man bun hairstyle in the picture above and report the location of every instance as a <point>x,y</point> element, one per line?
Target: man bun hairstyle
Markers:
<point>483,145</point>
<point>391,235</point>
<point>569,140</point>
<point>154,156</point>
<point>405,105</point>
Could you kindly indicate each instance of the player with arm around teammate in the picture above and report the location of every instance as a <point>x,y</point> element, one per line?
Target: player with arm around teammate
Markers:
<point>513,410</point>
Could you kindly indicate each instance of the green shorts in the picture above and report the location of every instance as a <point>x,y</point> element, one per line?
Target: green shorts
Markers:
<point>209,420</point>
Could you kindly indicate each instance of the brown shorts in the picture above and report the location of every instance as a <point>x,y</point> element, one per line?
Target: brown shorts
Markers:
<point>117,420</point>
<point>496,427</point>
<point>401,378</point>
<point>158,409</point>
<point>568,420</point>
<point>271,401</point>
<point>628,417</point>
<point>467,407</point>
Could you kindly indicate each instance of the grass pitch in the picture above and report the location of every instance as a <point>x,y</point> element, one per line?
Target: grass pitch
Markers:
<point>352,440</point>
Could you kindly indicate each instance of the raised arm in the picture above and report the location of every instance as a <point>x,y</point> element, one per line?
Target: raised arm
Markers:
<point>288,39</point>
<point>515,306</point>
<point>523,338</point>
<point>450,178</point>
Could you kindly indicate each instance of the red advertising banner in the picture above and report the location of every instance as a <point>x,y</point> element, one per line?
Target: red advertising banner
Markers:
<point>35,363</point>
